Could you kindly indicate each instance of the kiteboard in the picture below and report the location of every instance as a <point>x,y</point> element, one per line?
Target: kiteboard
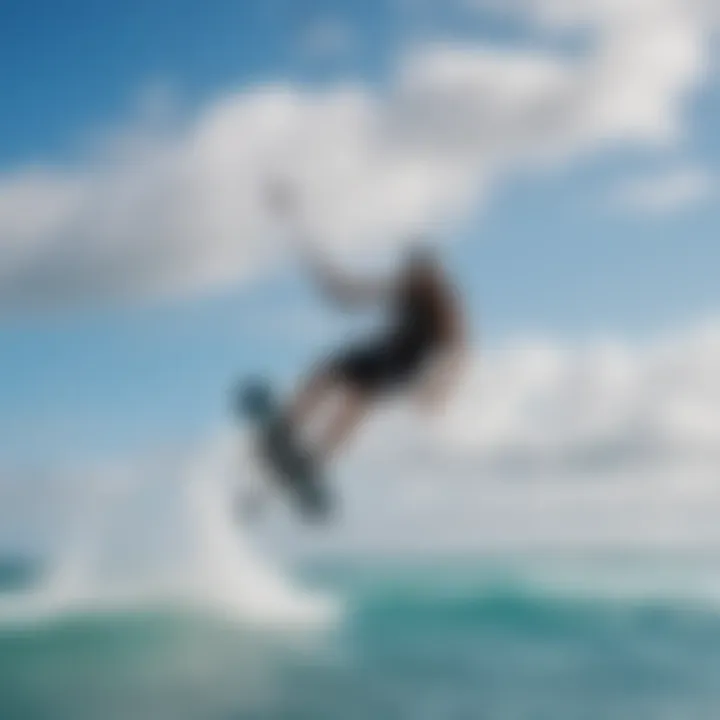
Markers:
<point>283,459</point>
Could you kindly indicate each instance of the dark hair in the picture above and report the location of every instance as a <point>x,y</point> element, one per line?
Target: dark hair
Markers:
<point>421,256</point>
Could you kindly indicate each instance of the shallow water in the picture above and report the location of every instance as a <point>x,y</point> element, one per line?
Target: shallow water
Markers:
<point>444,640</point>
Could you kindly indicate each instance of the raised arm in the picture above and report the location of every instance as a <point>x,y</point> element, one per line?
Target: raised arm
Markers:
<point>338,287</point>
<point>342,289</point>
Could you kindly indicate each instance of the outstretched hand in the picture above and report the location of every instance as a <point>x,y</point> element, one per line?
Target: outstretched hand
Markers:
<point>281,197</point>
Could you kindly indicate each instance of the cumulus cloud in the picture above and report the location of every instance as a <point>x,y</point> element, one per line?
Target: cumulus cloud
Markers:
<point>179,211</point>
<point>185,212</point>
<point>667,192</point>
<point>539,408</point>
<point>606,444</point>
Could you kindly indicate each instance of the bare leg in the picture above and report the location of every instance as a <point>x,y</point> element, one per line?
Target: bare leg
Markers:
<point>309,397</point>
<point>352,407</point>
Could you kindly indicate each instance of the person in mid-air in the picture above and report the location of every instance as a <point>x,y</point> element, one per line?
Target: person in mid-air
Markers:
<point>421,351</point>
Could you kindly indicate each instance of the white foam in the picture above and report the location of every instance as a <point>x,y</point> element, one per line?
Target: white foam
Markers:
<point>191,552</point>
<point>231,574</point>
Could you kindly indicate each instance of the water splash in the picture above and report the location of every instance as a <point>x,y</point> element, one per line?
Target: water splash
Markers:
<point>145,543</point>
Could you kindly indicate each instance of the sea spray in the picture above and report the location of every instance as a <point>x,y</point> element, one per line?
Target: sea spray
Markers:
<point>229,573</point>
<point>166,536</point>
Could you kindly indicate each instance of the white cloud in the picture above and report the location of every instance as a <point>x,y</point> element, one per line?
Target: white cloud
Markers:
<point>547,445</point>
<point>667,192</point>
<point>179,212</point>
<point>538,408</point>
<point>185,212</point>
<point>607,445</point>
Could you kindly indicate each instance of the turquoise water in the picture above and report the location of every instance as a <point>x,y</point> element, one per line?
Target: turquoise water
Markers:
<point>467,642</point>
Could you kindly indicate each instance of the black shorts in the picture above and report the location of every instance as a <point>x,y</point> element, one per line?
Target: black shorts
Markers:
<point>379,366</point>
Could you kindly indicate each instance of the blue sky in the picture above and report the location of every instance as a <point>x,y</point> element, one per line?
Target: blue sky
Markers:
<point>547,252</point>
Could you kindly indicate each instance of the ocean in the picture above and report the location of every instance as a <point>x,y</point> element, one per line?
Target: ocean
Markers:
<point>464,639</point>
